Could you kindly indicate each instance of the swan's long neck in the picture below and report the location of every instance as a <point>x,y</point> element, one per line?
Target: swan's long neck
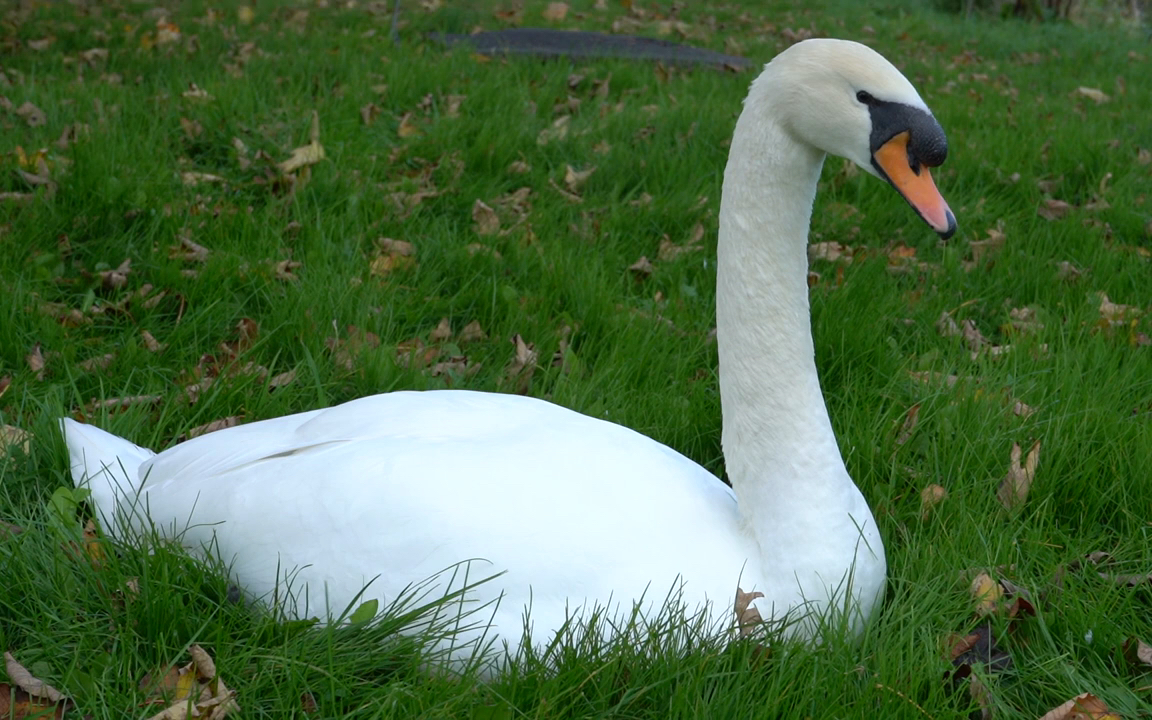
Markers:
<point>780,451</point>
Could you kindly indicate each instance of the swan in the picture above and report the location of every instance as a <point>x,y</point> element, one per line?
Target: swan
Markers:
<point>557,512</point>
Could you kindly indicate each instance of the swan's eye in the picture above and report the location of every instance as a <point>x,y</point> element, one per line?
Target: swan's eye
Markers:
<point>864,97</point>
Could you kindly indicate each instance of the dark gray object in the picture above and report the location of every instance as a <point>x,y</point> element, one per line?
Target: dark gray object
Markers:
<point>542,42</point>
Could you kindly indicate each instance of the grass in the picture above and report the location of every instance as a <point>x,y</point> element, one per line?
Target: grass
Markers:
<point>634,351</point>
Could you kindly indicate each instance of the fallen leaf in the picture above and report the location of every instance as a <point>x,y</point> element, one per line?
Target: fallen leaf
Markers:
<point>487,223</point>
<point>472,332</point>
<point>574,180</point>
<point>930,497</point>
<point>151,343</point>
<point>1138,652</point>
<point>990,245</point>
<point>31,115</point>
<point>910,419</point>
<point>284,270</point>
<point>194,92</point>
<point>986,594</point>
<point>99,362</point>
<point>191,178</point>
<point>35,360</point>
<point>369,113</point>
<point>194,690</point>
<point>30,684</point>
<point>210,427</point>
<point>1014,488</point>
<point>642,268</point>
<point>1021,410</point>
<point>5,383</point>
<point>557,131</point>
<point>523,364</point>
<point>305,155</point>
<point>830,250</point>
<point>118,278</point>
<point>1085,706</point>
<point>407,128</point>
<point>345,351</point>
<point>284,378</point>
<point>442,332</point>
<point>556,11</point>
<point>1067,271</point>
<point>1052,209</point>
<point>519,167</point>
<point>188,251</point>
<point>747,615</point>
<point>1112,314</point>
<point>1093,94</point>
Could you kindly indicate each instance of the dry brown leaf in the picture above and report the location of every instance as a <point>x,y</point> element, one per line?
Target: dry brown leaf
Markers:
<point>11,436</point>
<point>194,92</point>
<point>119,403</point>
<point>487,223</point>
<point>523,364</point>
<point>1014,488</point>
<point>442,331</point>
<point>194,690</point>
<point>642,268</point>
<point>19,705</point>
<point>35,360</point>
<point>472,332</point>
<point>1085,706</point>
<point>910,419</point>
<point>747,616</point>
<point>191,179</point>
<point>557,131</point>
<point>990,245</point>
<point>345,351</point>
<point>519,167</point>
<point>31,115</point>
<point>308,704</point>
<point>574,180</point>
<point>1114,313</point>
<point>369,113</point>
<point>1022,410</point>
<point>407,128</point>
<point>1067,271</point>
<point>930,497</point>
<point>1095,95</point>
<point>1052,209</point>
<point>284,378</point>
<point>118,278</point>
<point>830,251</point>
<point>452,105</point>
<point>5,383</point>
<point>98,362</point>
<point>556,11</point>
<point>305,155</point>
<point>210,427</point>
<point>188,251</point>
<point>1138,652</point>
<point>986,594</point>
<point>151,343</point>
<point>30,684</point>
<point>284,270</point>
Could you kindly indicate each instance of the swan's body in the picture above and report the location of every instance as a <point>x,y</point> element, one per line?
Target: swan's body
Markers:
<point>572,511</point>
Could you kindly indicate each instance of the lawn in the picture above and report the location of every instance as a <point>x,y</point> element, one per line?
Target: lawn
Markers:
<point>175,252</point>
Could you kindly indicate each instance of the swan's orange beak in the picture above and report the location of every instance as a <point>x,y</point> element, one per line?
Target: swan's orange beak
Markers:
<point>914,182</point>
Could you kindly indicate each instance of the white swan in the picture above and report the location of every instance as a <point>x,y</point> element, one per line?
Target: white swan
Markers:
<point>572,510</point>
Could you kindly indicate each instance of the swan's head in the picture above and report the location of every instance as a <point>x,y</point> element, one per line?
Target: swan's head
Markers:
<point>846,99</point>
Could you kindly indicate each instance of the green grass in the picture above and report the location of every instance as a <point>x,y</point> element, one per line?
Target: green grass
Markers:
<point>638,352</point>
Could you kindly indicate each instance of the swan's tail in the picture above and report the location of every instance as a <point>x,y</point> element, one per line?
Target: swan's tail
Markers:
<point>109,466</point>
